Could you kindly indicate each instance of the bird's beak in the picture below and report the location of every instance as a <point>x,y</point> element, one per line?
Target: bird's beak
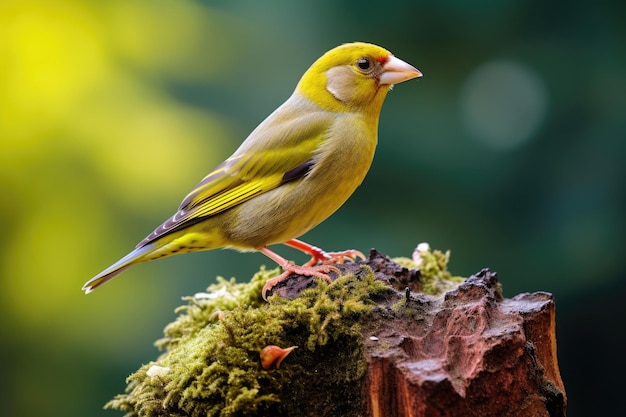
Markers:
<point>397,71</point>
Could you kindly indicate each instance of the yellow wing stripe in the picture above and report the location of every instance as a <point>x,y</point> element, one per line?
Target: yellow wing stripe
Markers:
<point>214,183</point>
<point>243,173</point>
<point>235,196</point>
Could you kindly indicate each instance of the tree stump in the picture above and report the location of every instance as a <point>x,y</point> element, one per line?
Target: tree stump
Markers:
<point>467,353</point>
<point>387,339</point>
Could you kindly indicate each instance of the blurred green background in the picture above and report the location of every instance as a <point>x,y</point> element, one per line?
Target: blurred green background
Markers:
<point>510,152</point>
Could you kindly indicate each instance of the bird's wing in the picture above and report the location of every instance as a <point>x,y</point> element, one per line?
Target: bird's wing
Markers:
<point>287,156</point>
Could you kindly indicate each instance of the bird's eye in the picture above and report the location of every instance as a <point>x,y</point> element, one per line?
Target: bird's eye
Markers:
<point>364,64</point>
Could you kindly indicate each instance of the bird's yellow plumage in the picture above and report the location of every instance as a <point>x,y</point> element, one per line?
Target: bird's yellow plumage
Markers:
<point>292,172</point>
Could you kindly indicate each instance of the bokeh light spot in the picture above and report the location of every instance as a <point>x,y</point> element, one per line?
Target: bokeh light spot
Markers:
<point>503,104</point>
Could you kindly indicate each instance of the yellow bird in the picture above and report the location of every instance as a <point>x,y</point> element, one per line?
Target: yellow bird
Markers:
<point>292,172</point>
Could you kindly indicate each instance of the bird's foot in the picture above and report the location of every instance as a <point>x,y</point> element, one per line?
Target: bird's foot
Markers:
<point>320,256</point>
<point>326,258</point>
<point>320,265</point>
<point>320,271</point>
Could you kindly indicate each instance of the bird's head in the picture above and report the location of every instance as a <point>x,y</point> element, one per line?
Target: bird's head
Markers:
<point>354,77</point>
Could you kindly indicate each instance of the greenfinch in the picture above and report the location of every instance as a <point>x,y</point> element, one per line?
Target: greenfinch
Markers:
<point>292,172</point>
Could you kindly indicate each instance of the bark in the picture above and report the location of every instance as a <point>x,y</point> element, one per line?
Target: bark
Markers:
<point>467,353</point>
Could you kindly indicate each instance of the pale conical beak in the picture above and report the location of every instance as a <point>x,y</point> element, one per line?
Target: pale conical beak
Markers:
<point>397,71</point>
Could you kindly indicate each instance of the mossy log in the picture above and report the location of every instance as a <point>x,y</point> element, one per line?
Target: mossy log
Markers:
<point>387,338</point>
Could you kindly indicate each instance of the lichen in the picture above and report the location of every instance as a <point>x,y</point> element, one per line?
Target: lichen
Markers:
<point>210,364</point>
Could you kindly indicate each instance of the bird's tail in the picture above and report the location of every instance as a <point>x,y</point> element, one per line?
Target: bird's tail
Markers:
<point>118,267</point>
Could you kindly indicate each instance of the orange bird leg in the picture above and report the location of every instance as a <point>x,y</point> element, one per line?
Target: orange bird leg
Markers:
<point>318,255</point>
<point>320,271</point>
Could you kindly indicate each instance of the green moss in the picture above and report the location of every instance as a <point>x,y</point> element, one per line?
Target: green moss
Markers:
<point>434,275</point>
<point>211,367</point>
<point>210,364</point>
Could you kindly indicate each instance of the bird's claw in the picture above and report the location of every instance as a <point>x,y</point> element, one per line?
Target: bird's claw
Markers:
<point>326,258</point>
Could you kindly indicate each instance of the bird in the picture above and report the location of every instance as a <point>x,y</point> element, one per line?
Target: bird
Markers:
<point>295,169</point>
